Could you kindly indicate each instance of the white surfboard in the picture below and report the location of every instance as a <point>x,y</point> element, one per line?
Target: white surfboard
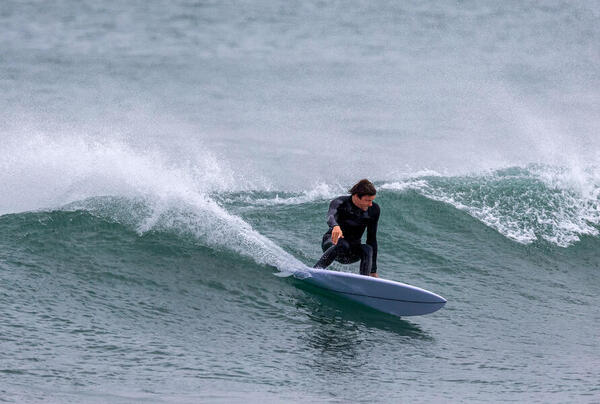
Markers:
<point>384,295</point>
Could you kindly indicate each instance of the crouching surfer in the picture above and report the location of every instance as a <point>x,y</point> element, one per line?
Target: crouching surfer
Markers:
<point>348,217</point>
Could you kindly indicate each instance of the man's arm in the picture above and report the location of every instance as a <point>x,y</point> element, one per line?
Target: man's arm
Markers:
<point>372,238</point>
<point>332,220</point>
<point>332,213</point>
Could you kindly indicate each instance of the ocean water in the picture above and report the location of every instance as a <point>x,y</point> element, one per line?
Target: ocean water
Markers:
<point>160,161</point>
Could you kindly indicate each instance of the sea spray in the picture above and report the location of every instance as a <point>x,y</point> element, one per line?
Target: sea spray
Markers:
<point>47,174</point>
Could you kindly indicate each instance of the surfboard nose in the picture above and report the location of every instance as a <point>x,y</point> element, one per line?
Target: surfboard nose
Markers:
<point>438,298</point>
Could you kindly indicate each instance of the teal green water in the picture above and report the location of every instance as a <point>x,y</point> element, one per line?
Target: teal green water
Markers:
<point>94,309</point>
<point>160,160</point>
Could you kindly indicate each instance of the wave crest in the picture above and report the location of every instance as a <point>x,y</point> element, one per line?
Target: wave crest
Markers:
<point>558,205</point>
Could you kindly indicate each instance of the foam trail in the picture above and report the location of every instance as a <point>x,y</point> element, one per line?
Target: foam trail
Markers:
<point>45,173</point>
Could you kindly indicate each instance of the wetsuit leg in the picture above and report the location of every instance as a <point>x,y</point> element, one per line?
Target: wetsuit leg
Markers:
<point>341,252</point>
<point>346,253</point>
<point>366,259</point>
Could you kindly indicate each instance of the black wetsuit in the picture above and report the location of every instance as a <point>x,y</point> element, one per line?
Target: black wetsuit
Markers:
<point>353,222</point>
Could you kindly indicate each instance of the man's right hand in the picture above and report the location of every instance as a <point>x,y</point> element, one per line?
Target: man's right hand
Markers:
<point>336,233</point>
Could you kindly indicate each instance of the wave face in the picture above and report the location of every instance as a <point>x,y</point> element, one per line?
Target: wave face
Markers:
<point>112,291</point>
<point>159,162</point>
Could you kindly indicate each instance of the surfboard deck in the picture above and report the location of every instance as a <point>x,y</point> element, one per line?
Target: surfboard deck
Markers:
<point>388,296</point>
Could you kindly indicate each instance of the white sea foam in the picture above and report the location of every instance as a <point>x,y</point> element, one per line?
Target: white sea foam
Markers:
<point>321,191</point>
<point>558,205</point>
<point>405,185</point>
<point>43,173</point>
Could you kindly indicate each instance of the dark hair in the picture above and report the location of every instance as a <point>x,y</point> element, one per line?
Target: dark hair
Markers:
<point>362,188</point>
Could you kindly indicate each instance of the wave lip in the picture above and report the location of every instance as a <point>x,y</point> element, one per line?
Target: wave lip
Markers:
<point>527,205</point>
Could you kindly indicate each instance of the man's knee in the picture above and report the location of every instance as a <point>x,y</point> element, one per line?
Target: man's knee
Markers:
<point>343,245</point>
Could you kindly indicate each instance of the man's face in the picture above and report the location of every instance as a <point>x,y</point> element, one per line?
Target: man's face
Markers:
<point>363,203</point>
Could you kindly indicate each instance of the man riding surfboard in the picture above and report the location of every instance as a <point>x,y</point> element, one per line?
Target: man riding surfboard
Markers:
<point>348,217</point>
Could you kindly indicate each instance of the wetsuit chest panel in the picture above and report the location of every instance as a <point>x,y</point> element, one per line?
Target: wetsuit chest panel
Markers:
<point>353,221</point>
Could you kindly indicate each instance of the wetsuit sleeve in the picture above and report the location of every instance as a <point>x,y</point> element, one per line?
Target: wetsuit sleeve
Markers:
<point>332,213</point>
<point>372,238</point>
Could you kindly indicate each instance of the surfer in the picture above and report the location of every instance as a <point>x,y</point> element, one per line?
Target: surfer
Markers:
<point>348,217</point>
